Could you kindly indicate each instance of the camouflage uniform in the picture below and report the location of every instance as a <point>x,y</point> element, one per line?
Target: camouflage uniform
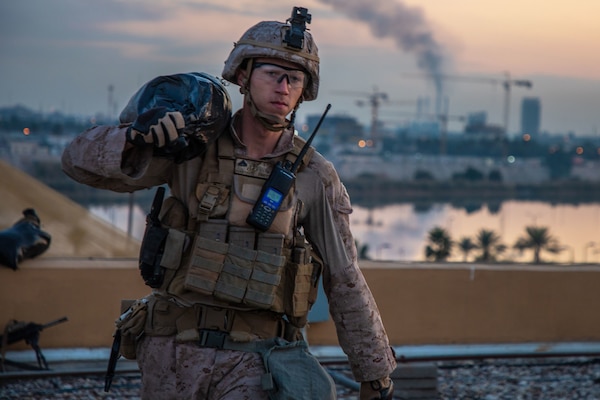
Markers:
<point>172,369</point>
<point>185,371</point>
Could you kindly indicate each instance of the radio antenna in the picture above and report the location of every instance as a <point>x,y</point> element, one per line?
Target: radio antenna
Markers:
<point>309,141</point>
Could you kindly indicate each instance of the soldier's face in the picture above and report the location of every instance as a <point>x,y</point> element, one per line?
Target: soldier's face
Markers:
<point>276,85</point>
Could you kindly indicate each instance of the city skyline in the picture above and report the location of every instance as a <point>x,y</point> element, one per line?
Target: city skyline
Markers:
<point>85,57</point>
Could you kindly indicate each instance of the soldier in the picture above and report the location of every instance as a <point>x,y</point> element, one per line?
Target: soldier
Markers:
<point>231,287</point>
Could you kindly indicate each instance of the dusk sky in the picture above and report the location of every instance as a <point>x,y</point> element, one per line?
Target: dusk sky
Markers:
<point>64,54</point>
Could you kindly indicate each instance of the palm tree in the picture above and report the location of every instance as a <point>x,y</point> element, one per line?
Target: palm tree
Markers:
<point>363,250</point>
<point>466,245</point>
<point>440,244</point>
<point>538,238</point>
<point>490,245</point>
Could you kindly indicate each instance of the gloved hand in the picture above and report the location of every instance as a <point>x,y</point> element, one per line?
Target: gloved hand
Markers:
<point>380,389</point>
<point>157,126</point>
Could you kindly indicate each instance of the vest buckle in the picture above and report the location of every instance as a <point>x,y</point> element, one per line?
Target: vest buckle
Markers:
<point>212,338</point>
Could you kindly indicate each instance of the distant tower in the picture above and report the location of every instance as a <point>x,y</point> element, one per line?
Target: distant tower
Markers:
<point>531,111</point>
<point>111,101</point>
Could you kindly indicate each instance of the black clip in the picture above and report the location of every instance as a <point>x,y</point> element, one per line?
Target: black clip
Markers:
<point>212,339</point>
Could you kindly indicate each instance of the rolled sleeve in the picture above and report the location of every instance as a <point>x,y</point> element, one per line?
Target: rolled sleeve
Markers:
<point>98,158</point>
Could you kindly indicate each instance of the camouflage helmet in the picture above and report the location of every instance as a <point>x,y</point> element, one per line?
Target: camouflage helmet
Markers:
<point>272,39</point>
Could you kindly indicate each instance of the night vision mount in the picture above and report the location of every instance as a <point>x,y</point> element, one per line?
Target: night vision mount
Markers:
<point>294,37</point>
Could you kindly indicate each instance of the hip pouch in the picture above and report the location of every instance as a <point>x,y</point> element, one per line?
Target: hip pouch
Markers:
<point>131,324</point>
<point>293,373</point>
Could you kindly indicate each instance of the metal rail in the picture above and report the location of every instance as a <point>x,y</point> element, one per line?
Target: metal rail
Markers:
<point>79,362</point>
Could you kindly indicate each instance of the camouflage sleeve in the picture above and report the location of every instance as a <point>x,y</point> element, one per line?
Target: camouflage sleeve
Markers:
<point>99,157</point>
<point>359,327</point>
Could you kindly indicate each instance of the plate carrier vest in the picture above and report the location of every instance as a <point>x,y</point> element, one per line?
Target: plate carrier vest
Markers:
<point>231,264</point>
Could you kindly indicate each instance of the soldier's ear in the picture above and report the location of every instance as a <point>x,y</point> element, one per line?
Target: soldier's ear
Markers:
<point>242,77</point>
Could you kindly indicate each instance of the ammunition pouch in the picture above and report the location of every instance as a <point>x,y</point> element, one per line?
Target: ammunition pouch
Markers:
<point>269,278</point>
<point>235,274</point>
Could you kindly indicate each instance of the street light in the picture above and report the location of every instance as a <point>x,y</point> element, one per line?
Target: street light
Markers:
<point>585,248</point>
<point>534,217</point>
<point>381,247</point>
<point>571,253</point>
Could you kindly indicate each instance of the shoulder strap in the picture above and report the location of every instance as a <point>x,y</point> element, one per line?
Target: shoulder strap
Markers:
<point>222,161</point>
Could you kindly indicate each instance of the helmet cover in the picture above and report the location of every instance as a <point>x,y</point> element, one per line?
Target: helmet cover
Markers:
<point>270,39</point>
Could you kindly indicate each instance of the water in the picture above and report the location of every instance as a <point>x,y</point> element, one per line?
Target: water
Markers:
<point>131,221</point>
<point>399,232</point>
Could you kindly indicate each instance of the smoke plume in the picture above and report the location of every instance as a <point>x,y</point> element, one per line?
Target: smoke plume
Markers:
<point>406,25</point>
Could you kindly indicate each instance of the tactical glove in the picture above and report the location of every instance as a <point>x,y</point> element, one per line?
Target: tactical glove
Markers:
<point>375,390</point>
<point>159,127</point>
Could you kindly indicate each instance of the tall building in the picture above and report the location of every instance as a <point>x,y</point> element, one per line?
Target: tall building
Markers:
<point>531,112</point>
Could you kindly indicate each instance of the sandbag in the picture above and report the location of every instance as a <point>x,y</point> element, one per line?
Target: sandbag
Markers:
<point>200,97</point>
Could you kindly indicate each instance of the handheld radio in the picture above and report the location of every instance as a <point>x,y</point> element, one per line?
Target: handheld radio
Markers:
<point>277,187</point>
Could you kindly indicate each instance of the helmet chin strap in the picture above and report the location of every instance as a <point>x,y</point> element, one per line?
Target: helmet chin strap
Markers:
<point>269,121</point>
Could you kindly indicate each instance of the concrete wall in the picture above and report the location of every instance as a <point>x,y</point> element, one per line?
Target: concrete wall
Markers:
<point>470,303</point>
<point>87,291</point>
<point>420,303</point>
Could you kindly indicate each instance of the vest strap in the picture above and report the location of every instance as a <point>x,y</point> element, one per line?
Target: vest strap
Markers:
<point>220,172</point>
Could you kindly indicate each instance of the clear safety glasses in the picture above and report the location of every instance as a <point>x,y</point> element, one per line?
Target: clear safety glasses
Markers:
<point>275,74</point>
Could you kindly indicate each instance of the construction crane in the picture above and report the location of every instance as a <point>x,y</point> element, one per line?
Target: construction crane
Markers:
<point>507,83</point>
<point>374,100</point>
